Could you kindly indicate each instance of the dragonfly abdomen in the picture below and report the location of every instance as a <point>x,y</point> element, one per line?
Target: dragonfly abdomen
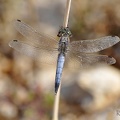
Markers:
<point>60,64</point>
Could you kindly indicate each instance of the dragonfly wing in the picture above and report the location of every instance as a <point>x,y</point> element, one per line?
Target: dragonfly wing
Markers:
<point>86,60</point>
<point>94,59</point>
<point>36,39</point>
<point>46,56</point>
<point>95,45</point>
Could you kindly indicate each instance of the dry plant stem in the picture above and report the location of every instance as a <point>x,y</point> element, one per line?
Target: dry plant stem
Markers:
<point>56,104</point>
<point>68,5</point>
<point>57,96</point>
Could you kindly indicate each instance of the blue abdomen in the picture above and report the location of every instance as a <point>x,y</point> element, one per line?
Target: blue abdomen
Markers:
<point>60,64</point>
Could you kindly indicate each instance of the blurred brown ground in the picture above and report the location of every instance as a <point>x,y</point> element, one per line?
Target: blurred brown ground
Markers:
<point>21,94</point>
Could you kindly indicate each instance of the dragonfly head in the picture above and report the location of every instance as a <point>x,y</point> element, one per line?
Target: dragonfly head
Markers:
<point>64,31</point>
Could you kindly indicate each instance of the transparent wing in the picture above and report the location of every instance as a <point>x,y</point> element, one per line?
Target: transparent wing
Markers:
<point>95,45</point>
<point>86,60</point>
<point>33,37</point>
<point>46,56</point>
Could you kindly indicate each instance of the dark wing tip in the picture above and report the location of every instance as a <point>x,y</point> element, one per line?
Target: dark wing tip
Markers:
<point>15,40</point>
<point>11,42</point>
<point>19,20</point>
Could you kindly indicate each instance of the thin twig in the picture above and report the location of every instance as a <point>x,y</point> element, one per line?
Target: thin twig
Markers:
<point>56,104</point>
<point>57,96</point>
<point>68,5</point>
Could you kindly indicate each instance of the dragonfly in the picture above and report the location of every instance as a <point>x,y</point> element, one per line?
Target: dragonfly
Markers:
<point>62,51</point>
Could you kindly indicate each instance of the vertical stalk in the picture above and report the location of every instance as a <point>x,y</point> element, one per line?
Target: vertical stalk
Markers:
<point>56,104</point>
<point>57,96</point>
<point>66,17</point>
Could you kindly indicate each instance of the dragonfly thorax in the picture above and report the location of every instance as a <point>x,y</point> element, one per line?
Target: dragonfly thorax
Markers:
<point>63,45</point>
<point>64,31</point>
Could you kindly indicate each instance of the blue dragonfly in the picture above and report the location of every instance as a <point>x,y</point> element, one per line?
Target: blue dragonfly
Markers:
<point>62,51</point>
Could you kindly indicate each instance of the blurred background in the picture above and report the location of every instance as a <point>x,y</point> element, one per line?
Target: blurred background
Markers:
<point>25,85</point>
